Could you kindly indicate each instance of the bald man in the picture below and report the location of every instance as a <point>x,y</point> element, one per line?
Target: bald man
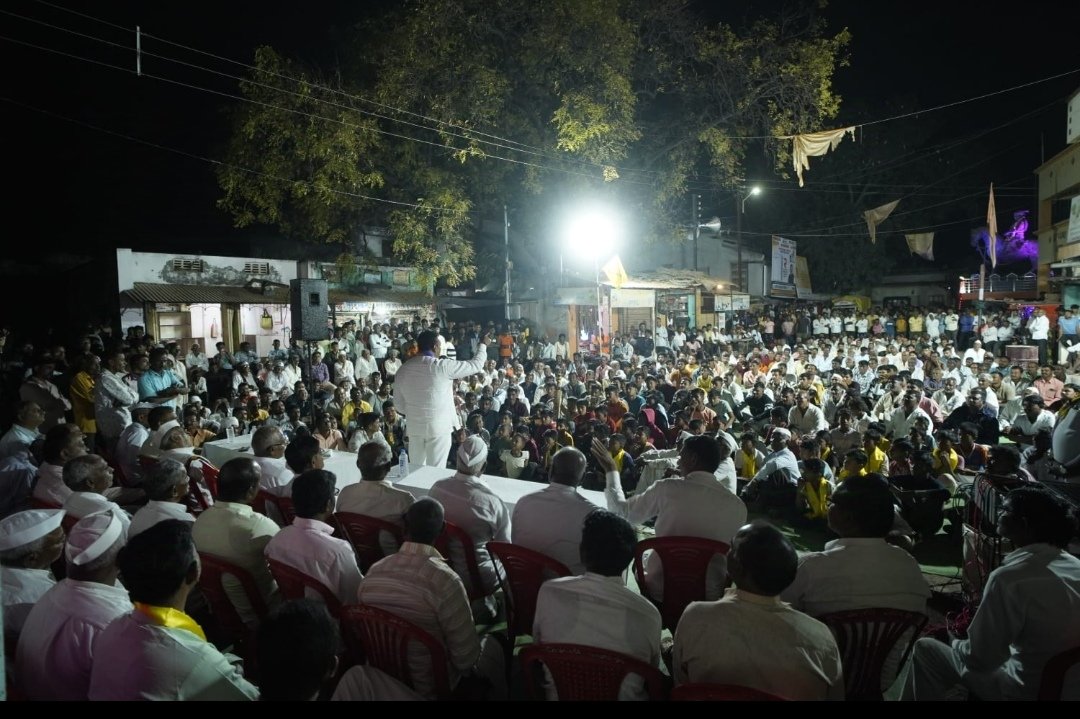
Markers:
<point>549,521</point>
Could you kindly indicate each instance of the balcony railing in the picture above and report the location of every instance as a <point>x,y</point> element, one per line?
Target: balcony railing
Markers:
<point>998,283</point>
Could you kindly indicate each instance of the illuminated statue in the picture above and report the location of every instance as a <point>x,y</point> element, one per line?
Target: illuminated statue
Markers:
<point>1013,246</point>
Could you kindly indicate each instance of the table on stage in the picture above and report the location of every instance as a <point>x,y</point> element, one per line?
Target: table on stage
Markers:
<point>418,482</point>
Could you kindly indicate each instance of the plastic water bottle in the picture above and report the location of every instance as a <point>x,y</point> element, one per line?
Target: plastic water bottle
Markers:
<point>230,432</point>
<point>403,463</point>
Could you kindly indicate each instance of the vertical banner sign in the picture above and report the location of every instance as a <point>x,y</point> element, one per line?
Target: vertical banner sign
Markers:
<point>1074,221</point>
<point>802,278</point>
<point>783,268</point>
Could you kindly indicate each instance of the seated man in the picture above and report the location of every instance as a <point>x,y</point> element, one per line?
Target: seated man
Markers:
<point>374,495</point>
<point>752,639</point>
<point>417,584</point>
<point>549,521</point>
<point>130,444</point>
<point>24,431</point>
<point>596,609</point>
<point>1027,614</point>
<point>306,544</point>
<point>166,485</point>
<point>268,445</point>
<point>859,570</point>
<point>775,483</point>
<point>59,641</point>
<point>234,532</point>
<point>693,505</point>
<point>62,443</point>
<point>17,474</point>
<point>470,504</point>
<point>30,541</point>
<point>89,477</point>
<point>156,651</point>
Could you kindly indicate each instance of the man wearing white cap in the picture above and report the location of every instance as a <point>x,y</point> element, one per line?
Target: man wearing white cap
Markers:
<point>58,641</point>
<point>423,392</point>
<point>166,485</point>
<point>156,651</point>
<point>131,442</point>
<point>693,505</point>
<point>88,477</point>
<point>30,542</point>
<point>471,505</point>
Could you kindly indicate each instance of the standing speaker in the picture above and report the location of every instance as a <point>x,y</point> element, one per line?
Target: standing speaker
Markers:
<point>307,301</point>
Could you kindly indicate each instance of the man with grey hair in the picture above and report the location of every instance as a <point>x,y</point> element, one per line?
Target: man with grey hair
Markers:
<point>30,541</point>
<point>88,477</point>
<point>549,521</point>
<point>268,445</point>
<point>166,485</point>
<point>374,495</point>
<point>56,648</point>
<point>471,505</point>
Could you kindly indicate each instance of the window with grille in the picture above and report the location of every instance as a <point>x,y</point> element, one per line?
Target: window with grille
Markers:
<point>187,265</point>
<point>256,268</point>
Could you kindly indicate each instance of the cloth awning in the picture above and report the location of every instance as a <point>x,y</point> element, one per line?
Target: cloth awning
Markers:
<point>153,292</point>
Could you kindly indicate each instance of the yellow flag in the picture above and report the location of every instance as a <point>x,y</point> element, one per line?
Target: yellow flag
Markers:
<point>615,273</point>
<point>876,216</point>
<point>991,227</point>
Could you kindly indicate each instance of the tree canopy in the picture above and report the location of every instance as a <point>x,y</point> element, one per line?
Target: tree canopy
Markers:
<point>438,113</point>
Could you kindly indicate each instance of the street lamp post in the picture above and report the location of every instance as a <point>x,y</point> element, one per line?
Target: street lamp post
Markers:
<point>740,208</point>
<point>594,233</point>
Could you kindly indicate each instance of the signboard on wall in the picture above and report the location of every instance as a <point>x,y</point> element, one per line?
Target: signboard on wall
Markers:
<point>782,279</point>
<point>802,277</point>
<point>639,299</point>
<point>1074,221</point>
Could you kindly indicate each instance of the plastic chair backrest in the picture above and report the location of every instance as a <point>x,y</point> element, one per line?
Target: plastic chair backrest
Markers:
<point>383,639</point>
<point>210,477</point>
<point>362,532</point>
<point>686,563</point>
<point>293,583</point>
<point>525,571</point>
<point>1052,685</point>
<point>702,692</point>
<point>583,673</point>
<point>452,533</point>
<point>283,505</point>
<point>866,638</point>
<point>211,582</point>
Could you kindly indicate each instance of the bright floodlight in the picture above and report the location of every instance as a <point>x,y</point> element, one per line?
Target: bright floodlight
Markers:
<point>755,190</point>
<point>593,232</point>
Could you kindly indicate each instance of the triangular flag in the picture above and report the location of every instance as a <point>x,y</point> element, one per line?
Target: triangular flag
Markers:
<point>991,227</point>
<point>876,216</point>
<point>615,273</point>
<point>921,244</point>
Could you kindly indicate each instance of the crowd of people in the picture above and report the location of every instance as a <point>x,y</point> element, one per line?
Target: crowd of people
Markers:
<point>800,416</point>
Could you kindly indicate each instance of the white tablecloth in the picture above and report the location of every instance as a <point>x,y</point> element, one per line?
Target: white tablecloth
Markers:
<point>418,482</point>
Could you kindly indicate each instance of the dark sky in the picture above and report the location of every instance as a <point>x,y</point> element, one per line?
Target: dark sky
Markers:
<point>81,189</point>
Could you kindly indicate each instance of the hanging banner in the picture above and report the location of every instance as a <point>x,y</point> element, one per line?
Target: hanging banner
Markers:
<point>783,268</point>
<point>1074,221</point>
<point>802,278</point>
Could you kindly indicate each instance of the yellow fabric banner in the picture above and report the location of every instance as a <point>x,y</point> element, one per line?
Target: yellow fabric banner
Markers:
<point>876,216</point>
<point>615,273</point>
<point>921,244</point>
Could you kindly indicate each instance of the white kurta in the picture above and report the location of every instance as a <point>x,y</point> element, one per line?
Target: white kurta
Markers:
<point>153,512</point>
<point>601,612</point>
<point>59,641</point>
<point>113,399</point>
<point>549,521</point>
<point>423,392</point>
<point>381,500</point>
<point>136,659</point>
<point>471,505</point>
<point>694,506</point>
<point>21,589</point>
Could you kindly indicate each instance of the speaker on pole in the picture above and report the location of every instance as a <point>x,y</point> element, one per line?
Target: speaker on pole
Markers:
<point>308,300</point>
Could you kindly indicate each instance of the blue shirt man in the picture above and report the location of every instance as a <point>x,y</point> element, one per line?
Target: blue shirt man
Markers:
<point>158,383</point>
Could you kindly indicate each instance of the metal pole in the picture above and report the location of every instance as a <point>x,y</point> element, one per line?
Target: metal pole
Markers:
<point>694,199</point>
<point>739,204</point>
<point>599,326</point>
<point>506,246</point>
<point>138,51</point>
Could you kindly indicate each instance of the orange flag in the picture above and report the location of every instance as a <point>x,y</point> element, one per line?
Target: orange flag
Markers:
<point>991,226</point>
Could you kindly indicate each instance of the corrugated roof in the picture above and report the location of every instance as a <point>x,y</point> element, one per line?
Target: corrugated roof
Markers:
<point>212,294</point>
<point>667,278</point>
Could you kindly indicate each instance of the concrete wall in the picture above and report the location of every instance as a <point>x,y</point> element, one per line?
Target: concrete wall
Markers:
<point>157,267</point>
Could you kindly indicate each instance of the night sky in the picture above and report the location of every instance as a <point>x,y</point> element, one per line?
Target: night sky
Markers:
<point>77,190</point>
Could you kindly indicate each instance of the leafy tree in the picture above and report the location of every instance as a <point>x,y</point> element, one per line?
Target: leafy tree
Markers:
<point>511,102</point>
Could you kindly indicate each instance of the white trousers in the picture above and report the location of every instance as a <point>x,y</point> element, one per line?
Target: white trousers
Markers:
<point>429,451</point>
<point>937,674</point>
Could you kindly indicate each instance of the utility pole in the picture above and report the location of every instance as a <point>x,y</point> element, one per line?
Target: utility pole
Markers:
<point>506,257</point>
<point>695,212</point>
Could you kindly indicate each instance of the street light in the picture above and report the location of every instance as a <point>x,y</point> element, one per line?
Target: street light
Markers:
<point>593,232</point>
<point>739,210</point>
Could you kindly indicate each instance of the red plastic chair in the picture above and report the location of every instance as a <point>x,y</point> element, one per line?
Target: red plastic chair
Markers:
<point>582,673</point>
<point>284,506</point>
<point>211,582</point>
<point>383,639</point>
<point>1052,685</point>
<point>686,562</point>
<point>293,583</point>
<point>453,533</point>
<point>146,463</point>
<point>702,692</point>
<point>525,571</point>
<point>866,638</point>
<point>362,532</point>
<point>210,477</point>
